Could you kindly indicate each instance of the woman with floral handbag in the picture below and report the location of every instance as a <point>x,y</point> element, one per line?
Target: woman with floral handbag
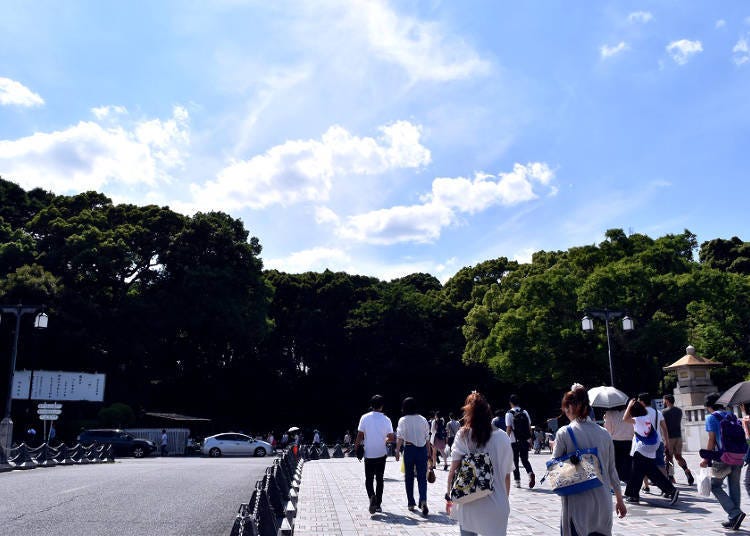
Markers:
<point>588,512</point>
<point>481,507</point>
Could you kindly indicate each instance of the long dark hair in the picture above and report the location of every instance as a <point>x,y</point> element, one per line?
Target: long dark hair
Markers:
<point>478,418</point>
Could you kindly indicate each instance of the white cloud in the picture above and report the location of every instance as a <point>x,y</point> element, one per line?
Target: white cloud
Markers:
<point>608,52</point>
<point>741,51</point>
<point>14,93</point>
<point>640,16</point>
<point>88,156</point>
<point>720,23</point>
<point>422,48</point>
<point>102,112</point>
<point>682,50</point>
<point>325,215</point>
<point>524,256</point>
<point>449,197</point>
<point>312,260</point>
<point>303,170</point>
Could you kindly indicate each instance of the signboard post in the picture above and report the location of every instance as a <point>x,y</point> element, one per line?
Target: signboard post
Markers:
<point>48,412</point>
<point>58,385</point>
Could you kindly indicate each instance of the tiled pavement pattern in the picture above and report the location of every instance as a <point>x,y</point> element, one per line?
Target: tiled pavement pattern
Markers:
<point>333,502</point>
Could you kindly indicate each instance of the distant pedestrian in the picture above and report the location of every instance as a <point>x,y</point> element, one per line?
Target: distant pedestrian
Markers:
<point>622,440</point>
<point>452,426</point>
<point>438,437</point>
<point>518,428</point>
<point>722,471</point>
<point>588,512</point>
<point>413,433</point>
<point>164,442</point>
<point>347,439</point>
<point>284,440</point>
<point>673,419</point>
<point>316,439</point>
<point>374,430</point>
<point>52,434</point>
<point>31,436</point>
<point>488,515</point>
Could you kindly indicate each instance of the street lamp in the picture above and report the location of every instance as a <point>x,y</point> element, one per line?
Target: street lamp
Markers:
<point>587,324</point>
<point>6,425</point>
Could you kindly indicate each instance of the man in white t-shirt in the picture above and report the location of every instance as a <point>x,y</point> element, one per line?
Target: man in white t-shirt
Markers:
<point>649,430</point>
<point>374,430</point>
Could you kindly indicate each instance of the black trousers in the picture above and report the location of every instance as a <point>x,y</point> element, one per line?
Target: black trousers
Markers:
<point>520,450</point>
<point>643,466</point>
<point>623,461</point>
<point>374,469</point>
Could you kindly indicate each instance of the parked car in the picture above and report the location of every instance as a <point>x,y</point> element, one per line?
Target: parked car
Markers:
<point>234,444</point>
<point>123,444</point>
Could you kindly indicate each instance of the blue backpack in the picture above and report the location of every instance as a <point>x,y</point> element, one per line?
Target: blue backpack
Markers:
<point>733,442</point>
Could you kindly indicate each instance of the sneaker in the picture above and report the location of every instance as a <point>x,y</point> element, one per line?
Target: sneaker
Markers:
<point>690,478</point>
<point>412,507</point>
<point>676,495</point>
<point>425,510</point>
<point>727,524</point>
<point>532,480</point>
<point>738,521</point>
<point>646,489</point>
<point>378,509</point>
<point>373,506</point>
<point>632,500</point>
<point>518,483</point>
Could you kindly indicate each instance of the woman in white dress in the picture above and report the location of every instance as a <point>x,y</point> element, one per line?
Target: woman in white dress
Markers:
<point>487,516</point>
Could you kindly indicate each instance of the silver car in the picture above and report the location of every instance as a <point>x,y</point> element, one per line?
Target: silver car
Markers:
<point>234,444</point>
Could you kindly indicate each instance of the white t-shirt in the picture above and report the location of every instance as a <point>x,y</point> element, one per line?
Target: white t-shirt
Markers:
<point>376,428</point>
<point>414,429</point>
<point>642,427</point>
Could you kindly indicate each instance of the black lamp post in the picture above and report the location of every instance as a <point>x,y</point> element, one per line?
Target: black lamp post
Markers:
<point>606,314</point>
<point>6,425</point>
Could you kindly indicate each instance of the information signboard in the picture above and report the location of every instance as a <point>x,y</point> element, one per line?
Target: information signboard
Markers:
<point>58,385</point>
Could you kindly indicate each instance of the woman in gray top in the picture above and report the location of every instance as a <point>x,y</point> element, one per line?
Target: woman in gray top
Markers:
<point>588,513</point>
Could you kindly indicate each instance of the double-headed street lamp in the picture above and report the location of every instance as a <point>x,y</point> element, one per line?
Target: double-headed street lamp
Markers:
<point>605,314</point>
<point>40,322</point>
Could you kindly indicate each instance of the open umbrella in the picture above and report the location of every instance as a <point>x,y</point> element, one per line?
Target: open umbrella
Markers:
<point>292,430</point>
<point>737,394</point>
<point>607,397</point>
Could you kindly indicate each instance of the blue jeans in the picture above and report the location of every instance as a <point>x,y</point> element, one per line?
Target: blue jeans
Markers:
<point>730,503</point>
<point>467,532</point>
<point>415,460</point>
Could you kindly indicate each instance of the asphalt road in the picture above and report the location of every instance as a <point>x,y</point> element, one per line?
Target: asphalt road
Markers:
<point>151,496</point>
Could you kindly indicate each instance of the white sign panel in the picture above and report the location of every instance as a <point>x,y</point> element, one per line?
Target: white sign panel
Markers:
<point>47,417</point>
<point>62,386</point>
<point>49,406</point>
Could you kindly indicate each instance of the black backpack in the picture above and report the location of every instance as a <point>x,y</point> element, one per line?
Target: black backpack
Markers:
<point>521,425</point>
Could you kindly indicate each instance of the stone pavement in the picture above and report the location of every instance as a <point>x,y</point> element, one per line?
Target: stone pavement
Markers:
<point>333,502</point>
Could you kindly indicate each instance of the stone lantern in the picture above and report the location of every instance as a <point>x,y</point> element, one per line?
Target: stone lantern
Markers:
<point>693,384</point>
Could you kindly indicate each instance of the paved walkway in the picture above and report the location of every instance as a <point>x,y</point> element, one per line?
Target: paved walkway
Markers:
<point>333,502</point>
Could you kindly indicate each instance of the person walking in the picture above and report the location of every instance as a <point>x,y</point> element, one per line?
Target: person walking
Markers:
<point>374,430</point>
<point>722,471</point>
<point>413,434</point>
<point>438,436</point>
<point>164,442</point>
<point>647,436</point>
<point>589,512</point>
<point>489,515</point>
<point>673,419</point>
<point>452,427</point>
<point>518,428</point>
<point>622,440</point>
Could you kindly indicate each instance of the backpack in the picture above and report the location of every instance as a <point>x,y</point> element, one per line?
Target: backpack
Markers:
<point>521,425</point>
<point>440,429</point>
<point>733,444</point>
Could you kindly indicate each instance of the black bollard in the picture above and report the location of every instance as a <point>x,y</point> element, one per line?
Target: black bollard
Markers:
<point>268,524</point>
<point>83,454</point>
<point>45,458</point>
<point>22,458</point>
<point>314,454</point>
<point>244,522</point>
<point>337,452</point>
<point>324,454</point>
<point>273,493</point>
<point>281,481</point>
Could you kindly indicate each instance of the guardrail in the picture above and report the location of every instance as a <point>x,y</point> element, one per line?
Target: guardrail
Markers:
<point>23,456</point>
<point>272,507</point>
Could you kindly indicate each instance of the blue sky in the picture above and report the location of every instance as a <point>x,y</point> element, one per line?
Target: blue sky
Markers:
<point>386,138</point>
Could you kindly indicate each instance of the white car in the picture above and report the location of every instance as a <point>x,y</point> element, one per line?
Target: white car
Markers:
<point>234,444</point>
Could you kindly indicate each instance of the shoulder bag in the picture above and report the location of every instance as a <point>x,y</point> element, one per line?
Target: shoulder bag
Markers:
<point>575,472</point>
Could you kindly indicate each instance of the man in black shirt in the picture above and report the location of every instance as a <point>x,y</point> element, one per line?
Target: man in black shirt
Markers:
<point>673,419</point>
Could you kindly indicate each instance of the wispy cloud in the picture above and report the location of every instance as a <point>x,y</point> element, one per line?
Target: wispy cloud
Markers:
<point>640,17</point>
<point>609,51</point>
<point>90,155</point>
<point>423,48</point>
<point>720,23</point>
<point>303,170</point>
<point>681,51</point>
<point>448,199</point>
<point>741,51</point>
<point>14,93</point>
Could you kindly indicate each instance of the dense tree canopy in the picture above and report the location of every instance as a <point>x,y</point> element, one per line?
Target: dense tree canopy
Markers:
<point>180,315</point>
